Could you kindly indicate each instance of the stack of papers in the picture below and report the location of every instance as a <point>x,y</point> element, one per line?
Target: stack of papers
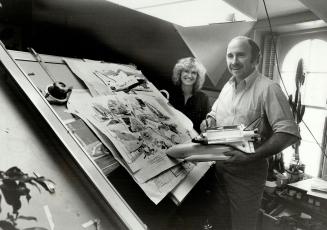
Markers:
<point>95,148</point>
<point>319,185</point>
<point>138,126</point>
<point>316,187</point>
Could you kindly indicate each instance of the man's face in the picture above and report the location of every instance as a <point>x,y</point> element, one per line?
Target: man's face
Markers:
<point>238,58</point>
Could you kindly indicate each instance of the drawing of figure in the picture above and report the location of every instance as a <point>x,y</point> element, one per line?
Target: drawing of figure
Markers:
<point>101,113</point>
<point>133,124</point>
<point>166,127</point>
<point>117,108</point>
<point>146,150</point>
<point>157,112</point>
<point>145,117</point>
<point>161,144</point>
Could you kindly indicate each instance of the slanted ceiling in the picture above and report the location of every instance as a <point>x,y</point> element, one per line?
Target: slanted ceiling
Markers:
<point>115,33</point>
<point>98,29</point>
<point>318,7</point>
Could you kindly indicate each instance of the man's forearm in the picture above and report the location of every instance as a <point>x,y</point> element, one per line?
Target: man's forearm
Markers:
<point>275,144</point>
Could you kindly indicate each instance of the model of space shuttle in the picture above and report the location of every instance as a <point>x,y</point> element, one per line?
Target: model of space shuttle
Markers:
<point>214,142</point>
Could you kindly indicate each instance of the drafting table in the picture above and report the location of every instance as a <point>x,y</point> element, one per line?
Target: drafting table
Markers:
<point>117,190</point>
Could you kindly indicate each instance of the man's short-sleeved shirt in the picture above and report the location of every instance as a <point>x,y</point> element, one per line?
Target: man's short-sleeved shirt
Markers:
<point>256,100</point>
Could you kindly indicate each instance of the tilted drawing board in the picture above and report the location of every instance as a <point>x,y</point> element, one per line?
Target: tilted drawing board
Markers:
<point>115,187</point>
<point>30,146</point>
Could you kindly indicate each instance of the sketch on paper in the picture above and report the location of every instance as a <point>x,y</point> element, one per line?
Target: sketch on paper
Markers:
<point>139,126</point>
<point>104,78</point>
<point>157,187</point>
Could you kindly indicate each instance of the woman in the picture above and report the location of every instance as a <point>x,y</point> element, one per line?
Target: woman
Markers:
<point>188,77</point>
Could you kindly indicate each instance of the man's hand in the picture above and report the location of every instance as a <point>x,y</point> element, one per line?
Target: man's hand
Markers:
<point>237,157</point>
<point>209,122</point>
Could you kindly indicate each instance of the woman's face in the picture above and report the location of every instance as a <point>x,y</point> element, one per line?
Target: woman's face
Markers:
<point>188,77</point>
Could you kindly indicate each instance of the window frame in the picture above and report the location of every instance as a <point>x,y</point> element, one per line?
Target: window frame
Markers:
<point>281,54</point>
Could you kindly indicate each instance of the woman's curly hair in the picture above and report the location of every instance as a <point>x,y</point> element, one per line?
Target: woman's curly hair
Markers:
<point>187,64</point>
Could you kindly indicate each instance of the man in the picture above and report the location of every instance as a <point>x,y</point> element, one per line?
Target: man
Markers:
<point>249,98</point>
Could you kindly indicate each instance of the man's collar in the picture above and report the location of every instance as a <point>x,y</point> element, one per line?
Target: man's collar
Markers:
<point>248,80</point>
<point>232,80</point>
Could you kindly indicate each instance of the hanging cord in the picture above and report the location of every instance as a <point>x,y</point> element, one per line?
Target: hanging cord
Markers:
<point>280,76</point>
<point>275,47</point>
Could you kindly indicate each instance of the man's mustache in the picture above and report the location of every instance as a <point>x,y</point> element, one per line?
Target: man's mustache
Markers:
<point>235,66</point>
